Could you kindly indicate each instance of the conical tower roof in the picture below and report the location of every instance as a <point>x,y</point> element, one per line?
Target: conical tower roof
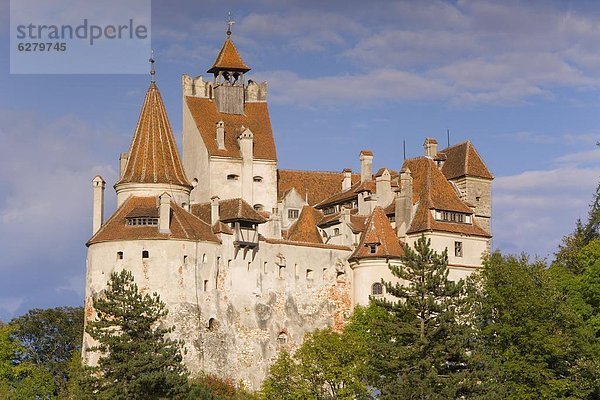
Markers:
<point>153,155</point>
<point>228,59</point>
<point>379,239</point>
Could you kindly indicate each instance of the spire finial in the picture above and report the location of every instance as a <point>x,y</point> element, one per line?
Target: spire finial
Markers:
<point>230,23</point>
<point>152,72</point>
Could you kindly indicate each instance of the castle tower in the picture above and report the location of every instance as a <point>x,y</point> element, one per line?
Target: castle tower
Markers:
<point>153,165</point>
<point>228,143</point>
<point>378,246</point>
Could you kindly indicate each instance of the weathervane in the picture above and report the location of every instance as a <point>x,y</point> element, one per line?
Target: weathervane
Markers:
<point>152,72</point>
<point>230,23</point>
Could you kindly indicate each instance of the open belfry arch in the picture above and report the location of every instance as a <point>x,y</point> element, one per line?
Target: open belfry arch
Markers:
<point>249,257</point>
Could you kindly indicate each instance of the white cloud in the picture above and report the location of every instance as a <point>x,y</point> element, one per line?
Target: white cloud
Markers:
<point>535,209</point>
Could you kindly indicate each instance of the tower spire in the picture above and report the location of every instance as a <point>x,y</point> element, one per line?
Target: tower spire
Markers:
<point>152,71</point>
<point>230,23</point>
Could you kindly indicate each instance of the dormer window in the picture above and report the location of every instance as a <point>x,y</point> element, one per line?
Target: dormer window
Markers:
<point>451,216</point>
<point>142,217</point>
<point>233,177</point>
<point>372,248</point>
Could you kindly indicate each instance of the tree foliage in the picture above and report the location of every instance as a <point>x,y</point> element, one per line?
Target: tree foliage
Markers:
<point>427,356</point>
<point>328,365</point>
<point>137,359</point>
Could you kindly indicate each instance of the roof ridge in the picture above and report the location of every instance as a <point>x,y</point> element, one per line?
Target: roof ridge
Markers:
<point>456,145</point>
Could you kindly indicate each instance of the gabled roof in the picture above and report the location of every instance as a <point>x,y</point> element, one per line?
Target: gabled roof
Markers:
<point>228,59</point>
<point>305,228</point>
<point>431,186</point>
<point>153,155</point>
<point>183,224</point>
<point>380,236</point>
<point>255,117</point>
<point>314,185</point>
<point>230,210</point>
<point>463,160</point>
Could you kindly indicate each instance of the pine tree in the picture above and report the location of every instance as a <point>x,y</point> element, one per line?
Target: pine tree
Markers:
<point>427,356</point>
<point>138,360</point>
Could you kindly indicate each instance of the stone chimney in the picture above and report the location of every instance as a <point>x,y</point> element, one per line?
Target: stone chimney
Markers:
<point>123,163</point>
<point>366,165</point>
<point>383,187</point>
<point>214,210</point>
<point>221,135</point>
<point>164,213</point>
<point>430,147</point>
<point>404,203</point>
<point>347,182</point>
<point>98,208</point>
<point>246,143</point>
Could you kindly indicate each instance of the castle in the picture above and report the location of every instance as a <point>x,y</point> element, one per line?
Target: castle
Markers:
<point>249,257</point>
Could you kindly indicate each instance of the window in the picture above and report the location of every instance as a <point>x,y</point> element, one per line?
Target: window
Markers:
<point>293,214</point>
<point>213,325</point>
<point>257,179</point>
<point>477,198</point>
<point>458,249</point>
<point>145,254</point>
<point>336,231</point>
<point>141,221</point>
<point>185,260</point>
<point>281,271</point>
<point>309,274</point>
<point>259,207</point>
<point>119,255</point>
<point>233,177</point>
<point>377,289</point>
<point>329,210</point>
<point>372,248</point>
<point>282,338</point>
<point>205,285</point>
<point>449,216</point>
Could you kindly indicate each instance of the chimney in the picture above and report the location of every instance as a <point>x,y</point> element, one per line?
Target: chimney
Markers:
<point>123,163</point>
<point>430,147</point>
<point>164,213</point>
<point>347,182</point>
<point>404,203</point>
<point>221,135</point>
<point>366,165</point>
<point>246,143</point>
<point>98,208</point>
<point>383,188</point>
<point>214,210</point>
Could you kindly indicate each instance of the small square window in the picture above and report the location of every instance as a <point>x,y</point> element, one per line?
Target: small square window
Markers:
<point>145,254</point>
<point>119,255</point>
<point>458,249</point>
<point>293,214</point>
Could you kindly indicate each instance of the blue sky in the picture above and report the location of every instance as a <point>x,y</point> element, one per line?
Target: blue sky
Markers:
<point>520,80</point>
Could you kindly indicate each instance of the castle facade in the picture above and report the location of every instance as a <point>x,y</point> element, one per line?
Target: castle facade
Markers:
<point>249,257</point>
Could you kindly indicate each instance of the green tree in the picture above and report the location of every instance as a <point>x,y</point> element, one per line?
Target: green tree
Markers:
<point>529,337</point>
<point>49,337</point>
<point>328,365</point>
<point>21,379</point>
<point>137,359</point>
<point>428,354</point>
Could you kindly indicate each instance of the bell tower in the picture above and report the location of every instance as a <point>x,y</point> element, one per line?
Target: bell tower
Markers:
<point>228,70</point>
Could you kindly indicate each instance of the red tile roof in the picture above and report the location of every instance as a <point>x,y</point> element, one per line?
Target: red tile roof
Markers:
<point>424,221</point>
<point>229,210</point>
<point>153,155</point>
<point>255,117</point>
<point>379,233</point>
<point>305,228</point>
<point>229,59</point>
<point>183,224</point>
<point>316,185</point>
<point>463,160</point>
<point>306,244</point>
<point>431,186</point>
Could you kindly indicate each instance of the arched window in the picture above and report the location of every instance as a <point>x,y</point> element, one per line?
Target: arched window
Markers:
<point>257,179</point>
<point>233,177</point>
<point>377,289</point>
<point>336,231</point>
<point>213,325</point>
<point>282,338</point>
<point>259,207</point>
